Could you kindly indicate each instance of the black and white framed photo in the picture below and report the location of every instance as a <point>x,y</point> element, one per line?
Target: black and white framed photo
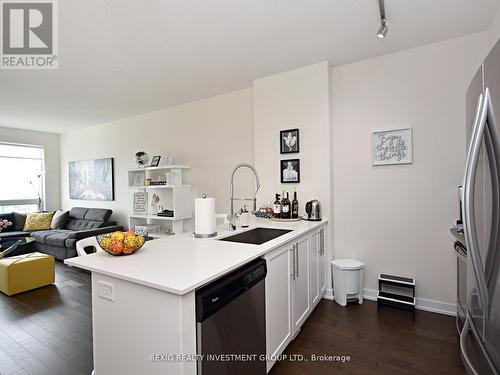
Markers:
<point>394,146</point>
<point>289,141</point>
<point>290,171</point>
<point>155,161</point>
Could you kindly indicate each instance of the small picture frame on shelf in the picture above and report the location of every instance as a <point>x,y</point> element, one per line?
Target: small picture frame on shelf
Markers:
<point>168,158</point>
<point>140,203</point>
<point>290,171</point>
<point>289,141</point>
<point>155,161</point>
<point>138,179</point>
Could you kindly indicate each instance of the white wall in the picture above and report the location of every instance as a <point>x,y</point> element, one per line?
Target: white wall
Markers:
<point>296,99</point>
<point>396,218</point>
<point>494,29</point>
<point>210,135</point>
<point>51,144</point>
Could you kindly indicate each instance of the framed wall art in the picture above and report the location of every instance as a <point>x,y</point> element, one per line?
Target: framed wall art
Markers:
<point>290,171</point>
<point>289,141</point>
<point>393,146</point>
<point>91,180</point>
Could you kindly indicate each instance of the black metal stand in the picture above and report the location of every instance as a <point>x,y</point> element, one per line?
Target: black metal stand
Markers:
<point>394,299</point>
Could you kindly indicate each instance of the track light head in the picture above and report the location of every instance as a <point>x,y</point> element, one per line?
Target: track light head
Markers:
<point>382,32</point>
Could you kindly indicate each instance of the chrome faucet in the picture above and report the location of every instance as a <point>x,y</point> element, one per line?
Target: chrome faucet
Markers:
<point>257,186</point>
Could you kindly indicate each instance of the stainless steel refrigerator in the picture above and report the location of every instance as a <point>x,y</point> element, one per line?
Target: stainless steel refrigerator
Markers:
<point>480,336</point>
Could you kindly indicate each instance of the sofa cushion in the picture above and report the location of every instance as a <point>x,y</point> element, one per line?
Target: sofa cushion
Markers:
<point>16,233</point>
<point>10,218</point>
<point>78,212</point>
<point>39,236</point>
<point>51,237</point>
<point>20,220</point>
<point>77,225</point>
<point>57,239</point>
<point>59,219</point>
<point>98,214</point>
<point>38,221</point>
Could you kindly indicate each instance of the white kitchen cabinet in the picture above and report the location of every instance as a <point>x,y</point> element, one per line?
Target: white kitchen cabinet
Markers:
<point>317,267</point>
<point>295,282</point>
<point>313,268</point>
<point>322,263</point>
<point>300,284</point>
<point>278,301</point>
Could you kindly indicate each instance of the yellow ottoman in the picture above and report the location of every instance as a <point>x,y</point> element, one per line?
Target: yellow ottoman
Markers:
<point>26,272</point>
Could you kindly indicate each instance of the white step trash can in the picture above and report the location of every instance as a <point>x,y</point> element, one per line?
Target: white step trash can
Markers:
<point>348,277</point>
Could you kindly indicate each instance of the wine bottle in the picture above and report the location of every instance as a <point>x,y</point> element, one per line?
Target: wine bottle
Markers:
<point>277,207</point>
<point>295,206</point>
<point>285,207</point>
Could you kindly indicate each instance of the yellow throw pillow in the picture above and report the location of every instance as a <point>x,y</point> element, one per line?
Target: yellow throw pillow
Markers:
<point>38,221</point>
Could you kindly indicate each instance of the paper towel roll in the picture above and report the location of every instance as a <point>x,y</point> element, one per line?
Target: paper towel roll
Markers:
<point>204,217</point>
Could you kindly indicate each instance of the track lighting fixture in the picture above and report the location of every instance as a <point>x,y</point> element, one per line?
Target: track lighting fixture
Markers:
<point>382,32</point>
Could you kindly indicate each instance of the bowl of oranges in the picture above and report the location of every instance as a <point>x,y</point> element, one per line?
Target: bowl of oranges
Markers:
<point>120,243</point>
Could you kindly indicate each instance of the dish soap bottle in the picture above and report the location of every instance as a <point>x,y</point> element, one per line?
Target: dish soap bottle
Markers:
<point>277,207</point>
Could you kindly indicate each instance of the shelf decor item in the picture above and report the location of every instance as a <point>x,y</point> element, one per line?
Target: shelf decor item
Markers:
<point>138,179</point>
<point>91,180</point>
<point>290,171</point>
<point>141,158</point>
<point>155,161</point>
<point>392,147</point>
<point>289,141</point>
<point>168,158</point>
<point>140,203</point>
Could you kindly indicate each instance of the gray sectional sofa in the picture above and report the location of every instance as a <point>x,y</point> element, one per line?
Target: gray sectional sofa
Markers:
<point>80,223</point>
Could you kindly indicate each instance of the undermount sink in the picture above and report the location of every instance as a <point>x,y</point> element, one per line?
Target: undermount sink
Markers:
<point>256,236</point>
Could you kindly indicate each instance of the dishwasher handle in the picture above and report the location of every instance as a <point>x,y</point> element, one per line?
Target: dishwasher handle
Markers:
<point>219,293</point>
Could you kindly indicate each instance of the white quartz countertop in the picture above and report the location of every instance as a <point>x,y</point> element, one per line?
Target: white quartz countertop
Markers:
<point>179,264</point>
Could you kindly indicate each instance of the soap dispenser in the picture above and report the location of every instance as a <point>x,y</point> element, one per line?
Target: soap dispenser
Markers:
<point>244,218</point>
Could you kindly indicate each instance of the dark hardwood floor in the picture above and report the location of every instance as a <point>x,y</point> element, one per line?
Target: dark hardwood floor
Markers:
<point>49,331</point>
<point>385,343</point>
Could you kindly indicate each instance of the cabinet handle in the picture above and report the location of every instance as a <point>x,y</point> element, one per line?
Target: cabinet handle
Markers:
<point>293,260</point>
<point>322,241</point>
<point>297,255</point>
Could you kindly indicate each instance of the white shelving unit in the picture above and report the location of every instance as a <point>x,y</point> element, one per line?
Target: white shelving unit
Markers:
<point>174,196</point>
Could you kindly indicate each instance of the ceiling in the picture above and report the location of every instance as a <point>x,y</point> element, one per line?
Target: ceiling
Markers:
<point>121,58</point>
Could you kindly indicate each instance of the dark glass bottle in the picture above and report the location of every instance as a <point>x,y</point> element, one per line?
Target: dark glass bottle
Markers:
<point>285,208</point>
<point>277,207</point>
<point>295,206</point>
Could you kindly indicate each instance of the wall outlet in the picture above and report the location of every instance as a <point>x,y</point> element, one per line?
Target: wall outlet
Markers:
<point>106,290</point>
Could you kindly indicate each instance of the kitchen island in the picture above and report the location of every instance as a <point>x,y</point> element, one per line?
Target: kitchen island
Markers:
<point>143,305</point>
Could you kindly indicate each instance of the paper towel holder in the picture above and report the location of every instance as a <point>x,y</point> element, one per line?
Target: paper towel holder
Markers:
<point>195,235</point>
<point>209,235</point>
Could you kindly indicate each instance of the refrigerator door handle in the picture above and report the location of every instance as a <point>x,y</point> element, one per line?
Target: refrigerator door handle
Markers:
<point>463,338</point>
<point>468,189</point>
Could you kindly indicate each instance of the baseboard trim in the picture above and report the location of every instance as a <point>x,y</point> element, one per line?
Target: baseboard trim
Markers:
<point>421,304</point>
<point>328,294</point>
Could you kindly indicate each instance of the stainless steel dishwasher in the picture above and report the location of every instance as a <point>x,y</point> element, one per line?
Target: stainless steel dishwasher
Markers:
<point>231,323</point>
